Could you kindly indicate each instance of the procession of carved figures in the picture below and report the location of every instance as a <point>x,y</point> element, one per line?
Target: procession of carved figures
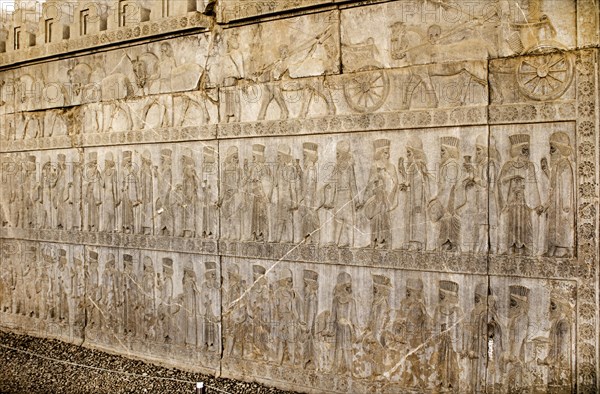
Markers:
<point>420,333</point>
<point>132,297</point>
<point>470,198</point>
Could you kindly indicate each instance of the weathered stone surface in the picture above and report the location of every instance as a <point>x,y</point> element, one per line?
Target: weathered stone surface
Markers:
<point>321,196</point>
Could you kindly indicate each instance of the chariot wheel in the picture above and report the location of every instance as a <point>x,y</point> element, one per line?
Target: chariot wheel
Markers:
<point>546,75</point>
<point>367,90</point>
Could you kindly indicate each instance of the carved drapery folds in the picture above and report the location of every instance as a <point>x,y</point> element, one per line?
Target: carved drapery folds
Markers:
<point>409,206</point>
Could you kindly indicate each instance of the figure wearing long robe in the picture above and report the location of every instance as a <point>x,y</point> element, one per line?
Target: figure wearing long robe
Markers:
<point>259,311</point>
<point>61,197</point>
<point>345,325</point>
<point>285,190</point>
<point>309,198</point>
<point>310,310</point>
<point>209,296</point>
<point>163,204</point>
<point>286,315</point>
<point>129,298</point>
<point>417,187</point>
<point>130,199</point>
<point>516,356</point>
<point>235,316</point>
<point>190,195</point>
<point>450,226</point>
<point>110,199</point>
<point>231,197</point>
<point>110,296</point>
<point>190,310</point>
<point>76,198</point>
<point>92,196</point>
<point>258,181</point>
<point>146,198</point>
<point>148,298</point>
<point>561,208</point>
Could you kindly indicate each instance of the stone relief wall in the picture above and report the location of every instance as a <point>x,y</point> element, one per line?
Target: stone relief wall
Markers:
<point>277,195</point>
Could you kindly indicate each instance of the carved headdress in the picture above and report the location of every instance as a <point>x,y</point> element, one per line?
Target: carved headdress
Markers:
<point>519,292</point>
<point>517,141</point>
<point>561,141</point>
<point>449,287</point>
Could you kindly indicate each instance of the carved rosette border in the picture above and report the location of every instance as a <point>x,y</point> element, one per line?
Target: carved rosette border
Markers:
<point>587,220</point>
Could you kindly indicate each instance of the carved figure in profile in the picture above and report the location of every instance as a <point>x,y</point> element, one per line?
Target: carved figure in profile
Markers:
<point>209,294</point>
<point>93,291</point>
<point>344,323</point>
<point>47,191</point>
<point>417,186</point>
<point>62,193</point>
<point>129,298</point>
<point>258,177</point>
<point>482,195</point>
<point>515,358</point>
<point>130,196</point>
<point>408,334</point>
<point>190,185</point>
<point>207,201</point>
<point>76,197</point>
<point>32,195</point>
<point>520,198</point>
<point>8,277</point>
<point>285,190</point>
<point>560,206</point>
<point>310,199</point>
<point>163,202</point>
<point>110,294</point>
<point>381,195</point>
<point>232,64</point>
<point>444,205</point>
<point>92,197</point>
<point>62,290</point>
<point>559,359</point>
<point>146,195</point>
<point>231,198</point>
<point>341,195</point>
<point>272,76</point>
<point>110,195</point>
<point>168,309</point>
<point>190,309</point>
<point>148,297</point>
<point>483,340</point>
<point>287,317</point>
<point>309,317</point>
<point>259,313</point>
<point>235,313</point>
<point>447,320</point>
<point>379,315</point>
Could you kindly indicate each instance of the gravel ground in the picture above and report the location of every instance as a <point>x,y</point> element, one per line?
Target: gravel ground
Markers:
<point>34,368</point>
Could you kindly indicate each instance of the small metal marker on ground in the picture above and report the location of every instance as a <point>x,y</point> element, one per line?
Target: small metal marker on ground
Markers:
<point>200,388</point>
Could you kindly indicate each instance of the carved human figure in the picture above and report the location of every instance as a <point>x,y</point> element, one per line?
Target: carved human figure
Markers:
<point>148,300</point>
<point>110,195</point>
<point>77,287</point>
<point>482,196</point>
<point>209,295</point>
<point>259,313</point>
<point>146,195</point>
<point>515,358</point>
<point>560,206</point>
<point>444,205</point>
<point>310,199</point>
<point>168,308</point>
<point>190,185</point>
<point>258,178</point>
<point>447,320</point>
<point>341,195</point>
<point>129,298</point>
<point>43,290</point>
<point>130,195</point>
<point>235,313</point>
<point>190,310</point>
<point>32,196</point>
<point>344,323</point>
<point>208,203</point>
<point>8,280</point>
<point>76,197</point>
<point>110,295</point>
<point>62,290</point>
<point>379,313</point>
<point>231,198</point>
<point>92,195</point>
<point>48,187</point>
<point>63,193</point>
<point>559,359</point>
<point>163,202</point>
<point>483,340</point>
<point>14,189</point>
<point>272,76</point>
<point>417,187</point>
<point>93,291</point>
<point>287,318</point>
<point>309,317</point>
<point>408,334</point>
<point>285,195</point>
<point>381,194</point>
<point>520,198</point>
<point>232,66</point>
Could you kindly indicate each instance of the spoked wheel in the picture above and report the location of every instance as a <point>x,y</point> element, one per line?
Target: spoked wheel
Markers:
<point>367,90</point>
<point>545,76</point>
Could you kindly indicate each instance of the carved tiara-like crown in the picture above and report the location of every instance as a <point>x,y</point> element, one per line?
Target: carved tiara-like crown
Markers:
<point>381,143</point>
<point>517,139</point>
<point>165,152</point>
<point>415,284</point>
<point>519,290</point>
<point>310,146</point>
<point>311,275</point>
<point>258,148</point>
<point>167,262</point>
<point>210,266</point>
<point>449,286</point>
<point>449,141</point>
<point>382,280</point>
<point>258,269</point>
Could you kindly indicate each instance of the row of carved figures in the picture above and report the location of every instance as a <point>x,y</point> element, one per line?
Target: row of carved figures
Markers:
<point>287,201</point>
<point>274,322</point>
